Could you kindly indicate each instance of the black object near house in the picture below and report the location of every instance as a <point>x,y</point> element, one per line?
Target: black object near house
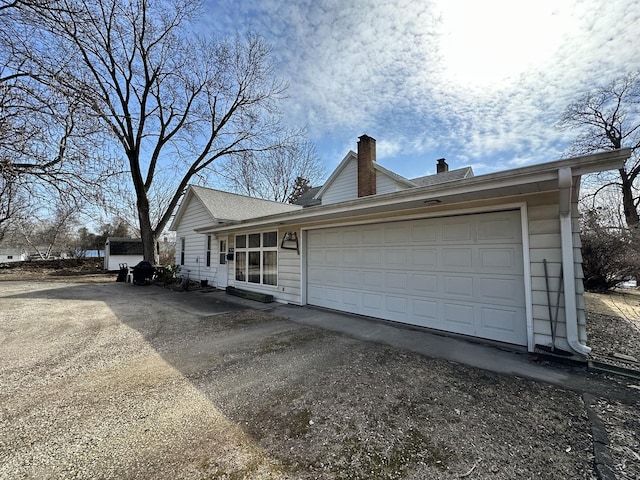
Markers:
<point>143,272</point>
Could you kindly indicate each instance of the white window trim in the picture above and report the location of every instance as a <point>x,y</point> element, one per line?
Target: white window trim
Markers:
<point>260,249</point>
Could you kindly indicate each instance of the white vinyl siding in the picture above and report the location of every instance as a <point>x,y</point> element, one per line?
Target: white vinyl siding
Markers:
<point>195,265</point>
<point>386,184</point>
<point>544,240</point>
<point>289,279</point>
<point>460,274</point>
<point>345,185</point>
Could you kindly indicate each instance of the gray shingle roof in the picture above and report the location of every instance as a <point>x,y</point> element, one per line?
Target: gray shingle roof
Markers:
<point>443,177</point>
<point>226,206</point>
<point>307,200</point>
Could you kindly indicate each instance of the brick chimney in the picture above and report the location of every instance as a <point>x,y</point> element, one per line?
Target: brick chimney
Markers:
<point>366,172</point>
<point>442,166</point>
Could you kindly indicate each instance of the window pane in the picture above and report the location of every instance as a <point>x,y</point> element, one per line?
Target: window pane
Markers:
<point>223,252</point>
<point>270,239</point>
<point>270,268</point>
<point>254,240</point>
<point>241,266</point>
<point>241,241</point>
<point>254,267</point>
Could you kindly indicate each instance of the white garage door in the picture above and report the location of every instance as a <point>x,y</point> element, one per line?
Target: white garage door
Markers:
<point>460,274</point>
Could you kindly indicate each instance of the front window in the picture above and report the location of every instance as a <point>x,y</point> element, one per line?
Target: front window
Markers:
<point>223,252</point>
<point>257,258</point>
<point>208,255</point>
<point>182,249</point>
<point>241,266</point>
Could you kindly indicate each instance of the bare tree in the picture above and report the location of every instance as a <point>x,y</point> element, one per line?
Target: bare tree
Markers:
<point>47,144</point>
<point>174,102</point>
<point>608,118</point>
<point>272,175</point>
<point>44,233</point>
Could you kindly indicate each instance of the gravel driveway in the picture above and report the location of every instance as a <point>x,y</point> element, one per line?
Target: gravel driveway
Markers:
<point>112,381</point>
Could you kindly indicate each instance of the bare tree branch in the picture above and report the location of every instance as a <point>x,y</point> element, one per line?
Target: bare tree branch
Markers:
<point>608,118</point>
<point>133,69</point>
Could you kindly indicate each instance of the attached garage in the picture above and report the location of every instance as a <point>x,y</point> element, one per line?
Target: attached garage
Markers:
<point>494,256</point>
<point>462,274</point>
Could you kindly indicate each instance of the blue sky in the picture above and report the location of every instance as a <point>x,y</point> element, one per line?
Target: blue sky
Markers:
<point>481,83</point>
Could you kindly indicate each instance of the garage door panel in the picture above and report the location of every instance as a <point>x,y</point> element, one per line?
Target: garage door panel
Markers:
<point>423,284</point>
<point>457,258</point>
<point>352,278</point>
<point>502,323</point>
<point>316,257</point>
<point>351,298</point>
<point>421,258</point>
<point>458,314</point>
<point>351,256</point>
<point>498,319</point>
<point>371,304</point>
<point>396,233</point>
<point>373,236</point>
<point>333,238</point>
<point>332,257</point>
<point>333,296</point>
<point>500,289</point>
<point>396,281</point>
<point>497,259</point>
<point>372,257</point>
<point>315,294</point>
<point>499,230</point>
<point>373,279</point>
<point>458,286</point>
<point>460,231</point>
<point>425,312</point>
<point>398,305</point>
<point>333,276</point>
<point>423,234</point>
<point>352,237</point>
<point>395,258</point>
<point>462,275</point>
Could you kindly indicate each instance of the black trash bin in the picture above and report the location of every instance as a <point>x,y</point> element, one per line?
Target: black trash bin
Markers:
<point>142,273</point>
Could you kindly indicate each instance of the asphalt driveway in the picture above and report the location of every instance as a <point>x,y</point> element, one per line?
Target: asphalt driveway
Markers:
<point>115,381</point>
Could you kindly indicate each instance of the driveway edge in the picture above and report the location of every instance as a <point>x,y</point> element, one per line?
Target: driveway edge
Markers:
<point>601,450</point>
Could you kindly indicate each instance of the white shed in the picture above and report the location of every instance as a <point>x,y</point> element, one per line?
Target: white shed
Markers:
<point>119,250</point>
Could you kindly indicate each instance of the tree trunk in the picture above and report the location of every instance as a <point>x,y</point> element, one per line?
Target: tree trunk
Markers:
<point>630,212</point>
<point>146,231</point>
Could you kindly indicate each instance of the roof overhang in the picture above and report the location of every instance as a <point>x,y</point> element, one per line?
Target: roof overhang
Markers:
<point>521,181</point>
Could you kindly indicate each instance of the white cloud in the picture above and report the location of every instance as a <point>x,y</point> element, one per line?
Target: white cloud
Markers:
<point>481,82</point>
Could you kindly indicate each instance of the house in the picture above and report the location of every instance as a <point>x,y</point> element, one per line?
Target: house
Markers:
<point>204,256</point>
<point>493,257</point>
<point>12,255</point>
<point>118,250</point>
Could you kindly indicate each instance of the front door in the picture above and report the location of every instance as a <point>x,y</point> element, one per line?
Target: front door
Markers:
<point>222,263</point>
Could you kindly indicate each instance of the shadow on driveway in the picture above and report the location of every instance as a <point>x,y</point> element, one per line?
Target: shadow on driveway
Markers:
<point>117,381</point>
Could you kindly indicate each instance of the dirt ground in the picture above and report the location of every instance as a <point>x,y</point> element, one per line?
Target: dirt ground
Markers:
<point>107,380</point>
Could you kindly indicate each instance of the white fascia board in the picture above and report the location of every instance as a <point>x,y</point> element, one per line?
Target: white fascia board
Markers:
<point>181,208</point>
<point>540,177</point>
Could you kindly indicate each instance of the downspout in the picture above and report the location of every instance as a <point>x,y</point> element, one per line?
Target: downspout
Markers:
<point>565,185</point>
